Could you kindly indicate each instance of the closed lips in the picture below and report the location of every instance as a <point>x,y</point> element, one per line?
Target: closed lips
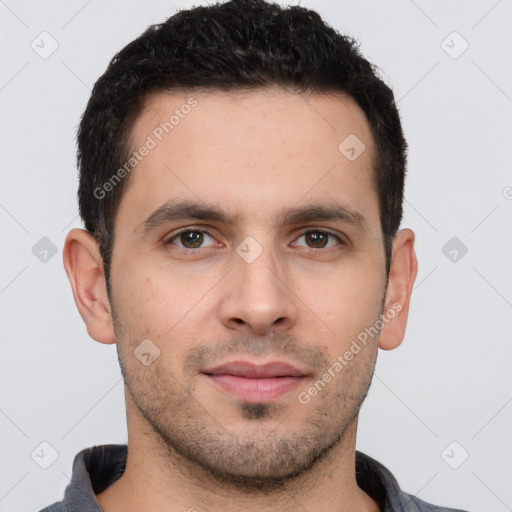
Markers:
<point>252,371</point>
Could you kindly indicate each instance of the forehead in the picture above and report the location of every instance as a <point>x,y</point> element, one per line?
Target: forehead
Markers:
<point>250,152</point>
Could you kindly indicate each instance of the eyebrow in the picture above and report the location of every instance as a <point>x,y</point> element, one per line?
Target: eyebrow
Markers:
<point>186,209</point>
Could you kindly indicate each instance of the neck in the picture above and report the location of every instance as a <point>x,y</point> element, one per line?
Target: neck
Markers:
<point>159,479</point>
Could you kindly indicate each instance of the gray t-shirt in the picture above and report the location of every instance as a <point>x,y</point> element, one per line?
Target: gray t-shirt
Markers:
<point>95,468</point>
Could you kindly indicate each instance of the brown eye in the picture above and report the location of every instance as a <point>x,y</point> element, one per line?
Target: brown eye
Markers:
<point>190,239</point>
<point>319,239</point>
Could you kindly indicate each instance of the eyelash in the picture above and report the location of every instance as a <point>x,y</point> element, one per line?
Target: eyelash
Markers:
<point>169,240</point>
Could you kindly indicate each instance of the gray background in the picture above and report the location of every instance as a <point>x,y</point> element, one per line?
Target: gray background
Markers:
<point>449,382</point>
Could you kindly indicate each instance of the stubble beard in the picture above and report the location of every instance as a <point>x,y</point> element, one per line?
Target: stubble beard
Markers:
<point>257,459</point>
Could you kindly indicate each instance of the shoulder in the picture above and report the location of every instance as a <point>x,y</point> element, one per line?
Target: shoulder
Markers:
<point>415,504</point>
<point>94,469</point>
<point>377,481</point>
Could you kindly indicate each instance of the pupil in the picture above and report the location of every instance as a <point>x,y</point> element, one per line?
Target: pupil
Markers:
<point>318,237</point>
<point>194,238</point>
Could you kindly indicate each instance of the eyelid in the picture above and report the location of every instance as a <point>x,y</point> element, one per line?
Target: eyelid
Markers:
<point>312,229</point>
<point>168,239</point>
<point>338,236</point>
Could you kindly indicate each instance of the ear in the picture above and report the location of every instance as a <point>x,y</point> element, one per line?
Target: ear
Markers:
<point>402,273</point>
<point>84,267</point>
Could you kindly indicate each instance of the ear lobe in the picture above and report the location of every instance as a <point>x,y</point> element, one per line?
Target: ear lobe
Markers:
<point>402,274</point>
<point>84,268</point>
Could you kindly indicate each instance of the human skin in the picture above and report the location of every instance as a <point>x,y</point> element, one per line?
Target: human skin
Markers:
<point>192,444</point>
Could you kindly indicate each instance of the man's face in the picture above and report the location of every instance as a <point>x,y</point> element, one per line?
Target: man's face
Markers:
<point>251,310</point>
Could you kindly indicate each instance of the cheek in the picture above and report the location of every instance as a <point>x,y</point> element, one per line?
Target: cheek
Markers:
<point>162,304</point>
<point>145,290</point>
<point>348,303</point>
<point>138,305</point>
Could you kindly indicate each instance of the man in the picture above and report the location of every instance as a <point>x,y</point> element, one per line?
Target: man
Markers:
<point>241,184</point>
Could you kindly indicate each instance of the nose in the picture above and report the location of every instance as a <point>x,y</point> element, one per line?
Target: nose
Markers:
<point>257,297</point>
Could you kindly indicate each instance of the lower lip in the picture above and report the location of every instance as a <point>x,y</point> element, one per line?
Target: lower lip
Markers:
<point>256,390</point>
